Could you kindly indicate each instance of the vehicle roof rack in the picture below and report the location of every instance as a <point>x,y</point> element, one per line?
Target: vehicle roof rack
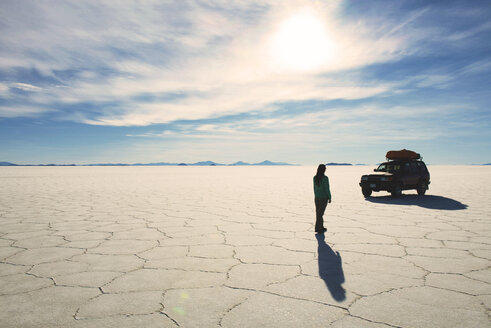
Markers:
<point>402,154</point>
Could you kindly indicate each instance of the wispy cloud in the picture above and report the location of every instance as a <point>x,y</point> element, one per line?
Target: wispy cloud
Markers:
<point>330,123</point>
<point>22,111</point>
<point>477,67</point>
<point>26,87</point>
<point>214,55</point>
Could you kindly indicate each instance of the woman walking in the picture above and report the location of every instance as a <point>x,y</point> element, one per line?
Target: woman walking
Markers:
<point>322,197</point>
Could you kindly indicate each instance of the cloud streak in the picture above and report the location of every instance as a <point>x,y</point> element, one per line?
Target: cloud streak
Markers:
<point>219,62</point>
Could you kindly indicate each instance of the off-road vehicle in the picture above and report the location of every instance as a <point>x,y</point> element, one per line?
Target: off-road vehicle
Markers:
<point>404,170</point>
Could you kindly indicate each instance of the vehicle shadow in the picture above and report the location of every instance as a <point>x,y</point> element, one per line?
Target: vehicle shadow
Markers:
<point>330,269</point>
<point>427,201</point>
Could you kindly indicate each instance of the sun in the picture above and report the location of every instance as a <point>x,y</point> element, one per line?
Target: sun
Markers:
<point>301,43</point>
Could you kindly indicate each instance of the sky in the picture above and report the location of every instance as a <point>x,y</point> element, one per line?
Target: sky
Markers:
<point>303,82</point>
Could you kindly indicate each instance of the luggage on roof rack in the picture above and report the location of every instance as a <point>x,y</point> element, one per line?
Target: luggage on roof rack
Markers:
<point>402,154</point>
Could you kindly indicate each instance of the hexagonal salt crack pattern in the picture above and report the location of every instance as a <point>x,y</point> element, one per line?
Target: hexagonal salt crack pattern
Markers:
<point>86,279</point>
<point>266,310</point>
<point>212,251</point>
<point>202,307</point>
<point>166,252</point>
<point>43,255</point>
<point>449,265</point>
<point>10,269</point>
<point>40,241</point>
<point>6,252</point>
<point>193,264</point>
<point>235,246</point>
<point>434,308</point>
<point>271,255</point>
<point>146,320</point>
<point>123,246</point>
<point>458,283</point>
<point>47,307</point>
<point>109,262</point>
<point>162,279</point>
<point>21,283</point>
<point>51,269</point>
<point>121,304</point>
<point>257,276</point>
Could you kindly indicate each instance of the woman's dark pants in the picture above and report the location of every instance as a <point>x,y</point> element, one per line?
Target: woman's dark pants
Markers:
<point>320,207</point>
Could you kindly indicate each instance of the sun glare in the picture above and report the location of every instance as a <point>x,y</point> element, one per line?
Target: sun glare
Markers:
<point>301,43</point>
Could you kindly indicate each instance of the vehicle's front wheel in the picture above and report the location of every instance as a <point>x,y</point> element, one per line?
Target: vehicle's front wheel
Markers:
<point>422,187</point>
<point>366,192</point>
<point>396,190</point>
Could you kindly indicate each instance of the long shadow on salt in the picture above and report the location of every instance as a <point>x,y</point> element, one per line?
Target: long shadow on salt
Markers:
<point>427,201</point>
<point>330,269</point>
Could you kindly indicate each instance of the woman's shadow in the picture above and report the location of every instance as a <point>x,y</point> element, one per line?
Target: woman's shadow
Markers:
<point>330,268</point>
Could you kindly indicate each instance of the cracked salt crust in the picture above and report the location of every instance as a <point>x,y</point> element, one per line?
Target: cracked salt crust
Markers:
<point>171,246</point>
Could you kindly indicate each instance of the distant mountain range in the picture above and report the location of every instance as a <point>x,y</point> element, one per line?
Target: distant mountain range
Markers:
<point>203,163</point>
<point>339,164</point>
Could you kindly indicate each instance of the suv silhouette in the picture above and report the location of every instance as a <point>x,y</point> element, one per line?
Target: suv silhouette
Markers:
<point>397,175</point>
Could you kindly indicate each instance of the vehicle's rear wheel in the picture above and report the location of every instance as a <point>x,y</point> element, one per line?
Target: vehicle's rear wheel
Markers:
<point>366,192</point>
<point>396,190</point>
<point>422,187</point>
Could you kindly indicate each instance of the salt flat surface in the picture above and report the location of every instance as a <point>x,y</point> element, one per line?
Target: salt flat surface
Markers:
<point>235,247</point>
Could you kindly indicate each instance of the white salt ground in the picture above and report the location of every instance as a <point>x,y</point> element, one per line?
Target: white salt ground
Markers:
<point>235,247</point>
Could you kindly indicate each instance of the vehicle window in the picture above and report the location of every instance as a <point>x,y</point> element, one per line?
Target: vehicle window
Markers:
<point>381,168</point>
<point>414,168</point>
<point>388,167</point>
<point>393,168</point>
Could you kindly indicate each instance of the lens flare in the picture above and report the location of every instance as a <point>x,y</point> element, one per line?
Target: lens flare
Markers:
<point>179,310</point>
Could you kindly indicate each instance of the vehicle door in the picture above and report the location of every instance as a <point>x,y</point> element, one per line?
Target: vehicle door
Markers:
<point>405,176</point>
<point>414,174</point>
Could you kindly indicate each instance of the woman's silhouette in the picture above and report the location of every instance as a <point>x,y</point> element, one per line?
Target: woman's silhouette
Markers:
<point>322,197</point>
